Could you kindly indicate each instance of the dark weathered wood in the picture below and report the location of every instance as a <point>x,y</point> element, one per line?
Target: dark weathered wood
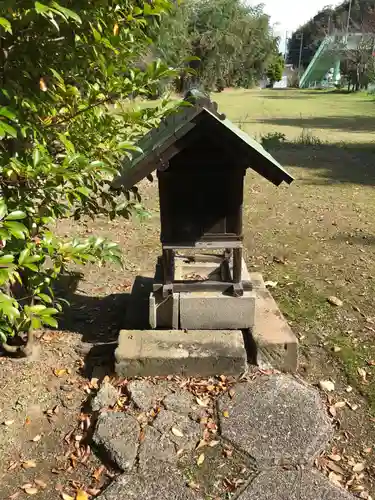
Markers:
<point>168,266</point>
<point>201,159</point>
<point>237,265</point>
<point>225,265</point>
<point>238,289</point>
<point>206,244</point>
<point>203,286</point>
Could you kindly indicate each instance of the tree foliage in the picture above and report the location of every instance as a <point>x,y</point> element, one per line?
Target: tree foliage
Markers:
<point>275,70</point>
<point>66,69</point>
<point>230,43</point>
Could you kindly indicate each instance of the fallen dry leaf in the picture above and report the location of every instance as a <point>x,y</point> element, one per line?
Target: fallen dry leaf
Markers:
<point>28,464</point>
<point>202,402</point>
<point>327,385</point>
<point>94,383</point>
<point>335,478</point>
<point>334,301</point>
<point>352,406</point>
<point>40,483</point>
<point>340,404</point>
<point>228,452</point>
<point>271,284</point>
<point>37,438</point>
<point>279,260</point>
<point>332,411</point>
<point>81,495</point>
<point>225,413</point>
<point>200,459</point>
<point>359,467</point>
<point>193,485</point>
<point>14,496</point>
<point>202,443</point>
<point>65,496</point>
<point>59,372</point>
<point>335,468</point>
<point>31,491</point>
<point>98,472</point>
<point>177,432</point>
<point>12,466</point>
<point>26,486</point>
<point>358,487</point>
<point>335,457</point>
<point>93,491</point>
<point>367,450</point>
<point>8,422</point>
<point>362,373</point>
<point>213,443</point>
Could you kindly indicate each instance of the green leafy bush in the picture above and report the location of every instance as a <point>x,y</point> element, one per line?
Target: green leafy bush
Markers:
<point>273,139</point>
<point>66,72</point>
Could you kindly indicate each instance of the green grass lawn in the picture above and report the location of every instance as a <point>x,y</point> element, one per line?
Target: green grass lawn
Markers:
<point>344,117</point>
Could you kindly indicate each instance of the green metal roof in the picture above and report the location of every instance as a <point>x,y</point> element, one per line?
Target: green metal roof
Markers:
<point>156,147</point>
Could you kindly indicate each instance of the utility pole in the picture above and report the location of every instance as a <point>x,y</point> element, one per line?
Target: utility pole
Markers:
<point>286,46</point>
<point>348,22</point>
<point>300,52</point>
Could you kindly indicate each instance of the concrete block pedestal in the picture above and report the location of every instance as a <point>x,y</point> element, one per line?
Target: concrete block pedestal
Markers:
<point>216,311</point>
<point>207,333</point>
<point>202,311</point>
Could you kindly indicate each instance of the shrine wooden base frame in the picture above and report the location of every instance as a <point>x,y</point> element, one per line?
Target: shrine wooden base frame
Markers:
<point>234,286</point>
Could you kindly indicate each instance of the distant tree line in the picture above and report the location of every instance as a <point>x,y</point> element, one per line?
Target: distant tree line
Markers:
<point>224,43</point>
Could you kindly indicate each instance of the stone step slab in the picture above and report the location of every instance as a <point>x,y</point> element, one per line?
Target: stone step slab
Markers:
<point>196,353</point>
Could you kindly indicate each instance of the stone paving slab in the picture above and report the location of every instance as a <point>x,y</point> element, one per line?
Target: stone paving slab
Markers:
<point>182,401</point>
<point>160,482</point>
<point>118,435</point>
<point>145,394</point>
<point>279,484</point>
<point>106,397</point>
<point>155,447</point>
<point>191,431</point>
<point>276,420</point>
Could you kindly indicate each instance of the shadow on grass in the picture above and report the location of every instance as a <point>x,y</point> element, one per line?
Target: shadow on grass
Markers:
<point>356,239</point>
<point>334,163</point>
<point>358,123</point>
<point>286,96</point>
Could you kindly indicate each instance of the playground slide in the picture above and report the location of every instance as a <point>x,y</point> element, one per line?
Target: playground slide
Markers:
<point>323,60</point>
<point>327,57</point>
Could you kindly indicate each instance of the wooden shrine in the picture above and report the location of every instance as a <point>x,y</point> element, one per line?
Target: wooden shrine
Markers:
<point>201,160</point>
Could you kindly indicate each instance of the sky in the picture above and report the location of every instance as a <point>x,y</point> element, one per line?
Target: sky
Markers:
<point>287,15</point>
